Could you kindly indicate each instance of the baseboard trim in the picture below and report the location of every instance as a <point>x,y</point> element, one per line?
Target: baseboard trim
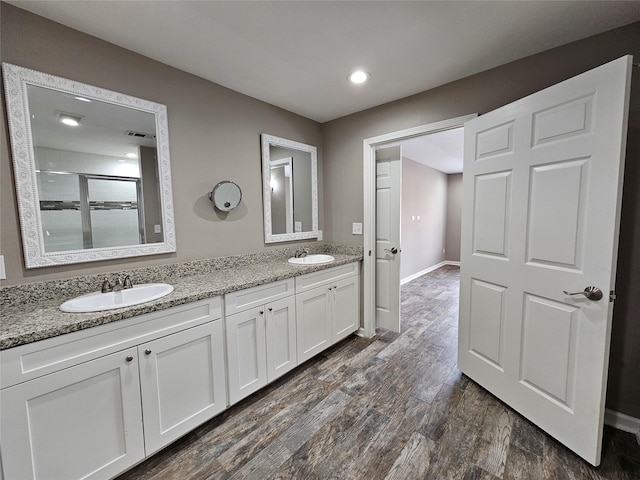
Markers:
<point>621,421</point>
<point>428,270</point>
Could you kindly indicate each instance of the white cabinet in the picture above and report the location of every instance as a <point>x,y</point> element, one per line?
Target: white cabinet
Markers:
<point>81,422</point>
<point>260,336</point>
<point>182,380</point>
<point>73,406</point>
<point>327,308</point>
<point>313,309</point>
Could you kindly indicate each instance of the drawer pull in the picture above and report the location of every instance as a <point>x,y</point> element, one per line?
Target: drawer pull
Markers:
<point>147,352</point>
<point>129,358</point>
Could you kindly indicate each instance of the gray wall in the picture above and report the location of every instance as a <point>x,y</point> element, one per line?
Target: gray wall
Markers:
<point>479,94</point>
<point>424,194</point>
<point>454,217</point>
<point>214,135</point>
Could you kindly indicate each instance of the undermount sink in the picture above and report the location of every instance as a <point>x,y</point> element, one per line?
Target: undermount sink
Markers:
<point>312,259</point>
<point>98,301</point>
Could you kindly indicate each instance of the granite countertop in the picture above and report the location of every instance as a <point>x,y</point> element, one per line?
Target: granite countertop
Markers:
<point>30,322</point>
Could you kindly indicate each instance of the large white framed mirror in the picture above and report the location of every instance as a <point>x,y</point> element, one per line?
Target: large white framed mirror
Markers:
<point>92,170</point>
<point>290,189</point>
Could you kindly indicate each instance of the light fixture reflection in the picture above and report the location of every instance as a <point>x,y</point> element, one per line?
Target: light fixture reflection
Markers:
<point>69,119</point>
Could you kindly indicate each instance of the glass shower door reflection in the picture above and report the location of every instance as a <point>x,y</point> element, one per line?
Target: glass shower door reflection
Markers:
<point>114,212</point>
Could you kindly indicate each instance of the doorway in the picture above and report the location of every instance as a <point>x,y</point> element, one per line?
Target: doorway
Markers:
<point>370,145</point>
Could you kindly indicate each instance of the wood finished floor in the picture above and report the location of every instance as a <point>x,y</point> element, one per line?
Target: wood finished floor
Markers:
<point>395,407</point>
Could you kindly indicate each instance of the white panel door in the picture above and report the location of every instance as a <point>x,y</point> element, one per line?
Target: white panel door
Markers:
<point>246,353</point>
<point>282,355</point>
<point>388,198</point>
<point>182,378</point>
<point>81,422</point>
<point>542,187</point>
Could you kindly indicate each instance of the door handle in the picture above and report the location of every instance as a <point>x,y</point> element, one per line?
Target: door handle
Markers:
<point>393,250</point>
<point>592,293</point>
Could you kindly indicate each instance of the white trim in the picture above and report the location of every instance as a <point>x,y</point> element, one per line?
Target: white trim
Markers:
<point>621,421</point>
<point>369,219</point>
<point>428,270</point>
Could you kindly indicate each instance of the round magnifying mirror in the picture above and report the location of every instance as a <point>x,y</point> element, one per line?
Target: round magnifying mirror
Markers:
<point>226,196</point>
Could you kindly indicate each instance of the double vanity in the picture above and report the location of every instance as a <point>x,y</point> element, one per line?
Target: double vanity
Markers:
<point>90,388</point>
<point>91,394</point>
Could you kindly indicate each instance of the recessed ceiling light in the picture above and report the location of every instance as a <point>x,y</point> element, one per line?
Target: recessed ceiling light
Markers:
<point>359,76</point>
<point>82,99</point>
<point>132,155</point>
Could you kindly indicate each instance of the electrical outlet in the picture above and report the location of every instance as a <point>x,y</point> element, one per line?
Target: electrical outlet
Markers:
<point>319,235</point>
<point>356,229</point>
<point>443,251</point>
<point>157,229</point>
<point>297,226</point>
<point>3,272</point>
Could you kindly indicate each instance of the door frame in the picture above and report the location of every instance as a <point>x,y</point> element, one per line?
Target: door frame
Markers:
<point>369,146</point>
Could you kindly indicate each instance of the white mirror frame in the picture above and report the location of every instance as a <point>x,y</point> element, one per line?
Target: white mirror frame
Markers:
<point>269,236</point>
<point>16,80</point>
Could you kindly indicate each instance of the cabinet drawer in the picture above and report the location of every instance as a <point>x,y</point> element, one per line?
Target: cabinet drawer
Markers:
<point>39,358</point>
<point>242,300</point>
<point>324,277</point>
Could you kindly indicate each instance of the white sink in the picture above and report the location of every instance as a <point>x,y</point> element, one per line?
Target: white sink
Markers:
<point>98,301</point>
<point>312,259</point>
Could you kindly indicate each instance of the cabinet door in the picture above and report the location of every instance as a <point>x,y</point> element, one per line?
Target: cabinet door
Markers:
<point>313,311</point>
<point>246,353</point>
<point>345,311</point>
<point>281,337</point>
<point>81,422</point>
<point>182,378</point>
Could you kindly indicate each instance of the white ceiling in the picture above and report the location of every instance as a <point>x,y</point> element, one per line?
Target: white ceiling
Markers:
<point>441,150</point>
<point>297,54</point>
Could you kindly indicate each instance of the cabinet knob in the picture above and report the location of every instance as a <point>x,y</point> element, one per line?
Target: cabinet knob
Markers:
<point>270,309</point>
<point>129,358</point>
<point>147,352</point>
<point>261,312</point>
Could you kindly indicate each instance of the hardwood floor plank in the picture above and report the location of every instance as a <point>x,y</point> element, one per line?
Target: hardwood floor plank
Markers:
<point>453,453</point>
<point>493,444</point>
<point>522,464</point>
<point>445,402</point>
<point>430,382</point>
<point>303,429</point>
<point>413,461</point>
<point>382,453</point>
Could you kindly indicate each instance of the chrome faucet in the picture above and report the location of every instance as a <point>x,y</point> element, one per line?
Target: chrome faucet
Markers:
<point>106,286</point>
<point>303,252</point>
<point>118,285</point>
<point>127,282</point>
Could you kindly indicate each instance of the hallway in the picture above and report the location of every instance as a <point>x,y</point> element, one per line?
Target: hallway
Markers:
<point>394,407</point>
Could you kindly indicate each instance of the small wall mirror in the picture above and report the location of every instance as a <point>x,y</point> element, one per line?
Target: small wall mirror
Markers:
<point>226,196</point>
<point>290,189</point>
<point>92,171</point>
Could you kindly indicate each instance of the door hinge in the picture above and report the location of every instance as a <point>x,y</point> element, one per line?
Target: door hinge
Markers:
<point>612,295</point>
